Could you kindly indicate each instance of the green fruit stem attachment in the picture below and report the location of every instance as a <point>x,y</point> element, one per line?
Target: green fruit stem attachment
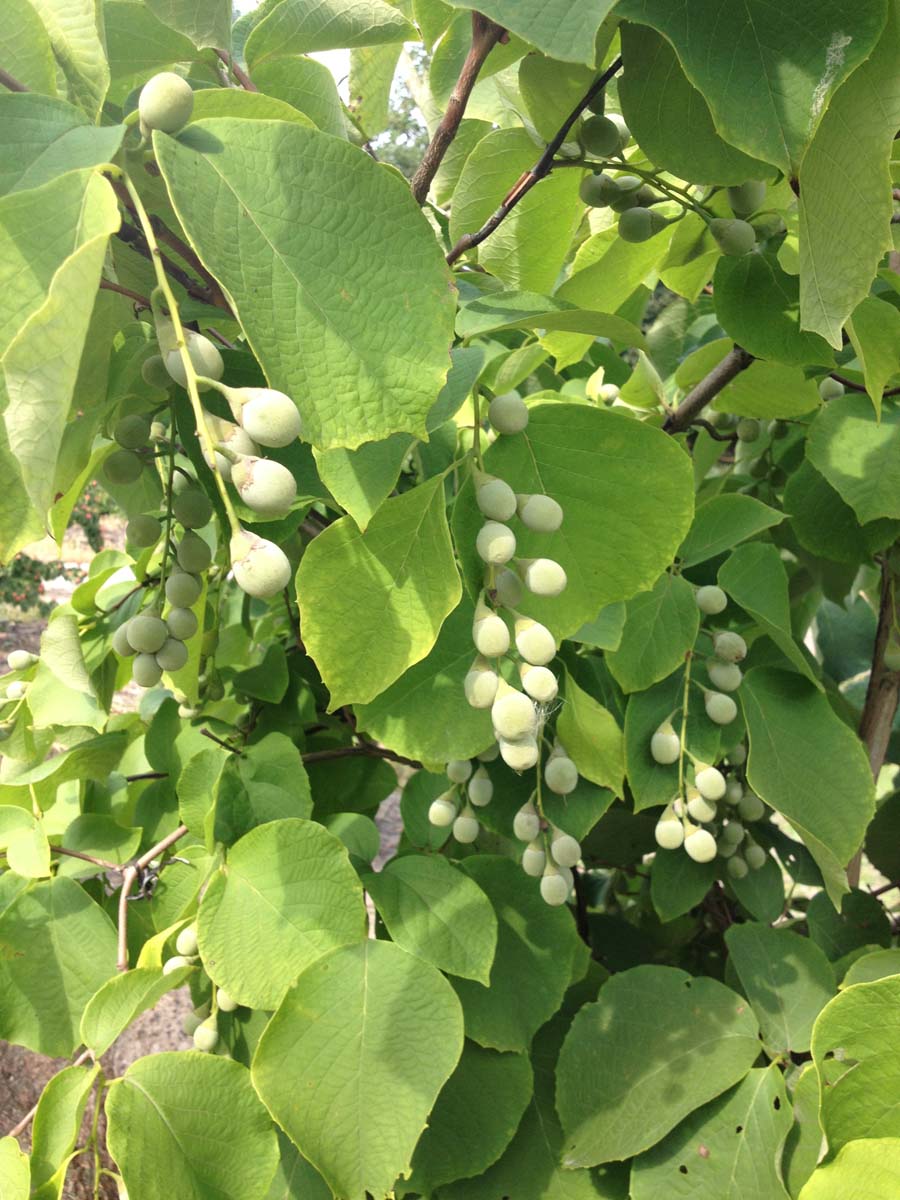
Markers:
<point>167,475</point>
<point>670,190</point>
<point>476,428</point>
<point>164,290</point>
<point>688,659</point>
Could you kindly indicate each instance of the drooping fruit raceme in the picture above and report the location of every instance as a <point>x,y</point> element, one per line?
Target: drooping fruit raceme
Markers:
<point>146,632</point>
<point>598,190</point>
<point>733,832</point>
<point>172,655</point>
<point>442,811</point>
<point>175,962</point>
<point>495,543</point>
<point>121,644</point>
<point>265,486</point>
<point>182,623</point>
<point>665,745</point>
<point>508,587</point>
<point>491,754</point>
<point>725,676</point>
<point>261,568</point>
<point>534,641</point>
<point>146,671</point>
<point>733,236</point>
<point>719,708</point>
<point>734,792</point>
<point>16,690</point>
<point>543,576</point>
<point>711,599</point>
<point>539,682</point>
<point>669,831</point>
<point>132,432</point>
<point>205,359</point>
<point>534,858</point>
<point>738,755</point>
<point>627,193</point>
<point>494,497</point>
<point>232,441</point>
<point>480,790</point>
<point>513,714</point>
<point>490,633</point>
<point>480,683</point>
<point>269,417</point>
<point>466,827</point>
<point>729,647</point>
<point>700,845</point>
<point>508,413</point>
<point>154,373</point>
<point>565,849</point>
<point>538,512</point>
<point>527,823</point>
<point>192,508</point>
<point>555,885</point>
<point>166,102</point>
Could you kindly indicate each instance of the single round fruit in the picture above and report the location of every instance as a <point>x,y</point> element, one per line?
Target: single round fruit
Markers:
<point>544,577</point>
<point>554,886</point>
<point>490,755</point>
<point>720,708</point>
<point>132,432</point>
<point>154,373</point>
<point>737,867</point>
<point>748,430</point>
<point>561,777</point>
<point>513,714</point>
<point>205,359</point>
<point>231,438</point>
<point>734,792</point>
<point>21,660</point>
<point>539,682</point>
<point>640,224</point>
<point>491,636</point>
<point>607,393</point>
<point>700,845</point>
<point>193,553</point>
<point>265,486</point>
<point>535,642</point>
<point>496,499</point>
<point>669,831</point>
<point>269,417</point>
<point>224,1002</point>
<point>830,389</point>
<point>520,755</point>
<point>540,513</point>
<point>710,783</point>
<point>495,543</point>
<point>16,689</point>
<point>121,644</point>
<point>186,942</point>
<point>725,849</point>
<point>260,568</point>
<point>122,467</point>
<point>147,632</point>
<point>733,237</point>
<point>729,647</point>
<point>173,655</point>
<point>733,832</point>
<point>508,413</point>
<point>527,823</point>
<point>751,807</point>
<point>174,963</point>
<point>206,1036</point>
<point>627,193</point>
<point>480,683</point>
<point>725,676</point>
<point>603,136</point>
<point>146,671</point>
<point>466,827</point>
<point>192,508</point>
<point>166,102</point>
<point>598,190</point>
<point>747,197</point>
<point>665,745</point>
<point>508,587</point>
<point>534,859</point>
<point>459,770</point>
<point>699,808</point>
<point>738,755</point>
<point>565,849</point>
<point>755,857</point>
<point>442,811</point>
<point>480,790</point>
<point>711,599</point>
<point>143,531</point>
<point>183,589</point>
<point>182,623</point>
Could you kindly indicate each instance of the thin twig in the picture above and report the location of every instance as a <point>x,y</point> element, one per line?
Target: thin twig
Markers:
<point>485,35</point>
<point>9,81</point>
<point>183,250</point>
<point>364,750</point>
<point>147,775</point>
<point>712,431</point>
<point>539,171</point>
<point>237,71</point>
<point>133,237</point>
<point>129,875</point>
<point>858,387</point>
<point>107,285</point>
<point>26,1120</point>
<point>98,862</point>
<point>207,733</point>
<point>735,361</point>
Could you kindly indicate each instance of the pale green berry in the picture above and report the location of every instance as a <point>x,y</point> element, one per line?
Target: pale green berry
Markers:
<point>539,682</point>
<point>534,859</point>
<point>146,633</point>
<point>729,647</point>
<point>269,417</point>
<point>158,431</point>
<point>143,531</point>
<point>719,708</point>
<point>540,513</point>
<point>640,224</point>
<point>206,1036</point>
<point>521,754</point>
<point>183,589</point>
<point>459,770</point>
<point>21,660</point>
<point>513,713</point>
<point>598,190</point>
<point>565,849</point>
<point>490,755</point>
<point>710,782</point>
<point>699,808</point>
<point>174,963</point>
<point>607,393</point>
<point>527,823</point>
<point>233,439</point>
<point>508,587</point>
<point>490,634</point>
<point>442,811</point>
<point>466,827</point>
<point>725,676</point>
<point>205,359</point>
<point>751,807</point>
<point>122,467</point>
<point>665,745</point>
<point>734,237</point>
<point>534,642</point>
<point>748,429</point>
<point>604,135</point>
<point>166,102</point>
<point>186,942</point>
<point>16,689</point>
<point>495,498</point>
<point>146,671</point>
<point>192,508</point>
<point>543,576</point>
<point>561,777</point>
<point>260,568</point>
<point>121,644</point>
<point>733,832</point>
<point>182,623</point>
<point>154,373</point>
<point>495,543</point>
<point>725,849</point>
<point>480,790</point>
<point>738,756</point>
<point>669,831</point>
<point>737,867</point>
<point>700,845</point>
<point>193,553</point>
<point>265,486</point>
<point>508,413</point>
<point>173,655</point>
<point>830,389</point>
<point>225,1002</point>
<point>734,792</point>
<point>554,886</point>
<point>480,683</point>
<point>755,857</point>
<point>747,197</point>
<point>711,599</point>
<point>132,432</point>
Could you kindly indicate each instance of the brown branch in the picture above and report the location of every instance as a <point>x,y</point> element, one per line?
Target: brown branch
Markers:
<point>539,171</point>
<point>237,71</point>
<point>98,862</point>
<point>135,239</point>
<point>712,431</point>
<point>696,400</point>
<point>364,750</point>
<point>129,875</point>
<point>485,35</point>
<point>858,387</point>
<point>186,252</point>
<point>9,81</point>
<point>147,775</point>
<point>108,286</point>
<point>207,733</point>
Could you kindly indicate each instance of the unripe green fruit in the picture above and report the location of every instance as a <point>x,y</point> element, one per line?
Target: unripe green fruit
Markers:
<point>720,708</point>
<point>554,886</point>
<point>607,393</point>
<point>534,642</point>
<point>627,191</point>
<point>604,136</point>
<point>143,531</point>
<point>154,373</point>
<point>121,644</point>
<point>481,790</point>
<point>561,777</point>
<point>224,1002</point>
<point>442,811</point>
<point>725,849</point>
<point>166,102</point>
<point>260,567</point>
<point>737,868</point>
<point>640,224</point>
<point>700,809</point>
<point>738,756</point>
<point>540,513</point>
<point>191,1022</point>
<point>146,633</point>
<point>122,466</point>
<point>733,832</point>
<point>539,682</point>
<point>186,942</point>
<point>748,430</point>
<point>132,431</point>
<point>269,417</point>
<point>527,823</point>
<point>192,508</point>
<point>751,807</point>
<point>521,754</point>
<point>508,413</point>
<point>187,712</point>
<point>233,439</point>
<point>496,499</point>
<point>21,660</point>
<point>490,755</point>
<point>174,963</point>
<point>726,676</point>
<point>755,857</point>
<point>733,237</point>
<point>206,1036</point>
<point>183,589</point>
<point>598,190</point>
<point>747,197</point>
<point>158,432</point>
<point>16,689</point>
<point>729,647</point>
<point>665,745</point>
<point>669,831</point>
<point>513,714</point>
<point>565,849</point>
<point>265,486</point>
<point>544,576</point>
<point>466,827</point>
<point>830,389</point>
<point>146,671</point>
<point>534,859</point>
<point>193,553</point>
<point>495,543</point>
<point>700,845</point>
<point>711,599</point>
<point>182,623</point>
<point>759,468</point>
<point>734,792</point>
<point>710,783</point>
<point>205,359</point>
<point>508,587</point>
<point>459,770</point>
<point>173,655</point>
<point>480,683</point>
<point>491,637</point>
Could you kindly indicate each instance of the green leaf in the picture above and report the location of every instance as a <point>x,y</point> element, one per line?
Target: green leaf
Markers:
<point>844,231</point>
<point>371,75</point>
<point>754,577</point>
<point>528,310</point>
<point>475,1118</point>
<point>786,978</point>
<point>655,1045</point>
<point>874,331</point>
<point>75,29</point>
<point>758,304</point>
<point>804,1141</point>
<point>551,89</point>
<point>308,86</point>
<point>358,832</point>
<point>435,911</point>
<point>268,680</point>
<point>825,525</point>
<point>230,102</point>
<point>529,974</point>
<point>100,836</point>
<point>51,932</point>
<point>15,1175</point>
<point>883,835</point>
<point>137,44</point>
<point>738,58</point>
<point>351,1086</point>
<point>643,388</point>
<point>592,738</point>
<point>607,269</point>
<point>287,896</point>
<point>121,1000</point>
<point>57,1121</point>
<point>859,455</point>
<point>801,757</point>
<point>866,1167</point>
<point>45,137</point>
<point>25,843</point>
<point>189,1119</point>
<point>660,626</point>
<point>303,26</point>
<point>671,120</point>
<point>560,28</point>
<point>722,522</point>
<point>372,604</point>
<point>206,24</point>
<point>741,1135</point>
<point>296,1179</point>
<point>530,247</point>
<point>877,965</point>
<point>425,714</point>
<point>860,922</point>
<point>356,375</point>
<point>590,460</point>
<point>768,390</point>
<point>761,892</point>
<point>89,760</point>
<point>62,692</point>
<point>25,49</point>
<point>677,883</point>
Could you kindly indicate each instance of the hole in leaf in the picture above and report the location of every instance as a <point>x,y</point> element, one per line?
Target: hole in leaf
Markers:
<point>776,1103</point>
<point>738,1129</point>
<point>683,1169</point>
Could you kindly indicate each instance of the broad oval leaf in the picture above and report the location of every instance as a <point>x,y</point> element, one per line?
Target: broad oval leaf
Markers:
<point>122,999</point>
<point>859,455</point>
<point>867,1167</point>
